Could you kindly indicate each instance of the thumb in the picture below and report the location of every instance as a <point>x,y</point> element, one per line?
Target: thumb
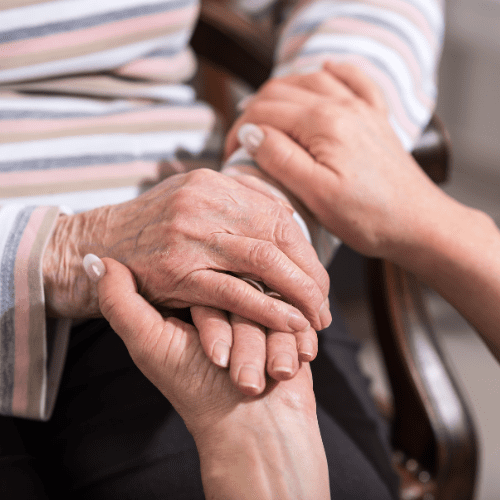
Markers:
<point>287,162</point>
<point>129,314</point>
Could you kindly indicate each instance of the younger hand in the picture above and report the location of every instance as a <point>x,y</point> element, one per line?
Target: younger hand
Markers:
<point>169,353</point>
<point>265,447</point>
<point>327,138</point>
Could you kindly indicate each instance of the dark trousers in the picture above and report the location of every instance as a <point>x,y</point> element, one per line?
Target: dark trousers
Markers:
<point>114,436</point>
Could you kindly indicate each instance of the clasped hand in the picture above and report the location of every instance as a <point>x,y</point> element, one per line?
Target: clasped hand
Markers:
<point>187,241</point>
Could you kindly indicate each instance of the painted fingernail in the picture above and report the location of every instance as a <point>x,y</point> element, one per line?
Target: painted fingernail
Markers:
<point>306,348</point>
<point>283,362</point>
<point>220,354</point>
<point>297,322</point>
<point>94,267</point>
<point>249,377</point>
<point>325,315</point>
<point>250,137</point>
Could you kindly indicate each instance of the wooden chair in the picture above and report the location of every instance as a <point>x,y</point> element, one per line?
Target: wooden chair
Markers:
<point>432,432</point>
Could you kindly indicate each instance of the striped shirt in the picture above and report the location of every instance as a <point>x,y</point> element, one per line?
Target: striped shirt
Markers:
<point>94,108</point>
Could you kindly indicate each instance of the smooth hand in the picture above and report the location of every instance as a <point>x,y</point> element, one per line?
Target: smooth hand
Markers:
<point>327,138</point>
<point>264,447</point>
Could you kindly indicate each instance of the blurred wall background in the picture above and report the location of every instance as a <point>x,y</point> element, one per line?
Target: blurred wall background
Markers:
<point>469,100</point>
<point>469,104</point>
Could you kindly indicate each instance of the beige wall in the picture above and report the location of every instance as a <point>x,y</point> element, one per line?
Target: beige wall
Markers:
<point>469,98</point>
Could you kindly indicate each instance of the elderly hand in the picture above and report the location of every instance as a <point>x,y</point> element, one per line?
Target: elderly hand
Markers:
<point>184,241</point>
<point>327,138</point>
<point>237,436</point>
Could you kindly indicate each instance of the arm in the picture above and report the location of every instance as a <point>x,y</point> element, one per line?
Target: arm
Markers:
<point>363,186</point>
<point>266,447</point>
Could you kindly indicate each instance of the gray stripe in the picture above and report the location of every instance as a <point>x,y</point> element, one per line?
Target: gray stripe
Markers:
<point>37,114</point>
<point>166,51</point>
<point>7,304</point>
<point>90,21</point>
<point>376,21</point>
<point>89,160</point>
<point>385,68</point>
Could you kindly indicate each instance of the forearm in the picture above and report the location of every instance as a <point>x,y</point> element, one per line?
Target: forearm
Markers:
<point>270,456</point>
<point>458,254</point>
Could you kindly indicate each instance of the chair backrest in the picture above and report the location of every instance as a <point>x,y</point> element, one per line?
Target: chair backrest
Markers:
<point>432,430</point>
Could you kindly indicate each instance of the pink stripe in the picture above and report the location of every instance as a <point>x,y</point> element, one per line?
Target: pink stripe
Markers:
<point>294,43</point>
<point>148,116</point>
<point>100,33</point>
<point>22,312</point>
<point>291,46</point>
<point>157,66</point>
<point>390,40</point>
<point>148,170</point>
<point>413,14</point>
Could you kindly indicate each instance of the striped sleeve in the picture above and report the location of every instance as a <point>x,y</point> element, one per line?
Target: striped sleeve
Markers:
<point>137,38</point>
<point>79,153</point>
<point>396,42</point>
<point>30,362</point>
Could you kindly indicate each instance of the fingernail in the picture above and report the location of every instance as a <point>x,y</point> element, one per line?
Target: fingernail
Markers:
<point>325,316</point>
<point>249,377</point>
<point>297,322</point>
<point>94,267</point>
<point>283,362</point>
<point>250,137</point>
<point>220,354</point>
<point>306,348</point>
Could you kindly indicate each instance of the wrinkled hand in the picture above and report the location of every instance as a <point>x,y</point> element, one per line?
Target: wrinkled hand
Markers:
<point>326,137</point>
<point>184,240</point>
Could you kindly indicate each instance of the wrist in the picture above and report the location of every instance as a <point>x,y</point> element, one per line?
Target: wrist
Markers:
<point>68,291</point>
<point>443,235</point>
<point>270,453</point>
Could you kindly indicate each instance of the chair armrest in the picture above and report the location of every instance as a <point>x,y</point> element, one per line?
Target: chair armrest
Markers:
<point>431,422</point>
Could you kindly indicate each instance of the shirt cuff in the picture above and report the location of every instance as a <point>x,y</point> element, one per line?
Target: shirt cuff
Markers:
<point>32,348</point>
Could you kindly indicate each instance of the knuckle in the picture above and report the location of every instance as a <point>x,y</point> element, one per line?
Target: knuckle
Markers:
<point>321,112</point>
<point>200,175</point>
<point>282,342</point>
<point>285,233</point>
<point>320,79</point>
<point>270,87</point>
<point>309,292</point>
<point>258,109</point>
<point>225,289</point>
<point>263,255</point>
